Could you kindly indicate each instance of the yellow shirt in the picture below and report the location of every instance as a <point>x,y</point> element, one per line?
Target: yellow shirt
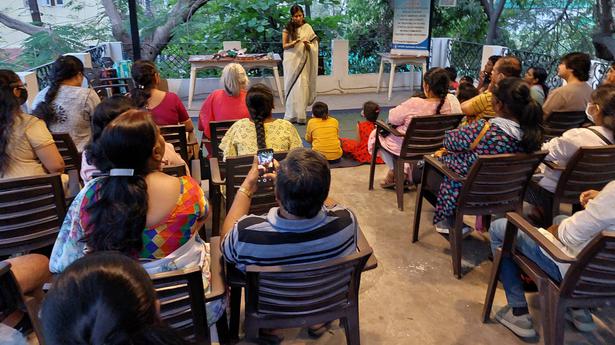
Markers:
<point>324,136</point>
<point>481,106</point>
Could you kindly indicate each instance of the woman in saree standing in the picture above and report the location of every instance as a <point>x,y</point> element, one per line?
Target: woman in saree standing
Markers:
<point>300,63</point>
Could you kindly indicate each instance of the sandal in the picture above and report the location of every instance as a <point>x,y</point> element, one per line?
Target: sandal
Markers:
<point>319,331</point>
<point>389,180</point>
<point>265,338</point>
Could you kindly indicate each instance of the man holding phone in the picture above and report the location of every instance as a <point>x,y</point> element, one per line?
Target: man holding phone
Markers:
<point>302,229</point>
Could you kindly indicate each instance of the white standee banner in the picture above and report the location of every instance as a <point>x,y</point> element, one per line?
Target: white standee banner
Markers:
<point>411,27</point>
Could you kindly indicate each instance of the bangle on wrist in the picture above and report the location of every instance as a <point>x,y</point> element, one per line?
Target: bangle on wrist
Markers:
<point>245,191</point>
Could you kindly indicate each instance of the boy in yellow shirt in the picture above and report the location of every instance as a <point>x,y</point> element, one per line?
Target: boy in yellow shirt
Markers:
<point>323,132</point>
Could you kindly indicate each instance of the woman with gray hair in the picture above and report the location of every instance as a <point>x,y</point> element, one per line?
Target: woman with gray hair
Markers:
<point>228,103</point>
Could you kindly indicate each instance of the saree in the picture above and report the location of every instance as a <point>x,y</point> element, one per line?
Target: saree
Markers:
<point>300,71</point>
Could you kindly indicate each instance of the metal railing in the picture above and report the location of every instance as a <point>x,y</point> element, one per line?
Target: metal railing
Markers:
<point>465,57</point>
<point>532,59</point>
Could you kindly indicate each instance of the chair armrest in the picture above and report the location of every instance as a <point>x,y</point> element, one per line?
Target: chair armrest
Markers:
<point>214,167</point>
<point>554,166</point>
<point>216,264</point>
<point>386,127</point>
<point>544,243</point>
<point>363,245</point>
<point>434,162</point>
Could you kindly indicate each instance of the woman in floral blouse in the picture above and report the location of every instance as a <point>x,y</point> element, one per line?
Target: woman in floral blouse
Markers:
<point>515,128</point>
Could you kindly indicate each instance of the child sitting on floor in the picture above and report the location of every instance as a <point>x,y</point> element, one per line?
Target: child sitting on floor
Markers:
<point>357,149</point>
<point>323,132</point>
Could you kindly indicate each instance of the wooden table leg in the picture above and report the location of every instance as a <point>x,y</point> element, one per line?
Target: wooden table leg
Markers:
<point>391,79</point>
<point>276,76</point>
<point>380,75</point>
<point>192,85</point>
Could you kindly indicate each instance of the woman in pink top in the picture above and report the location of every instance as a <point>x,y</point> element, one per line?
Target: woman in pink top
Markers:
<point>166,107</point>
<point>437,101</point>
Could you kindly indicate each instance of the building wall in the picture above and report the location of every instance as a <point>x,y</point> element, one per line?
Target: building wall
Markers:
<point>58,14</point>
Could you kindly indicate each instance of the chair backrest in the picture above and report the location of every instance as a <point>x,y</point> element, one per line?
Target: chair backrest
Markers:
<point>593,274</point>
<point>218,129</point>
<point>559,122</point>
<point>182,303</point>
<point>589,168</point>
<point>306,290</point>
<point>107,87</point>
<point>176,136</point>
<point>68,151</point>
<point>237,169</point>
<point>425,134</point>
<point>177,170</point>
<point>32,210</point>
<point>496,183</point>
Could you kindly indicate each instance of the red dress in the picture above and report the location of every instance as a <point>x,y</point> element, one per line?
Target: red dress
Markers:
<point>358,149</point>
<point>170,111</point>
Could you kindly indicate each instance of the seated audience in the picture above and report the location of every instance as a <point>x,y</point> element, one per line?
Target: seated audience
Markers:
<point>302,182</point>
<point>64,105</point>
<point>601,111</point>
<point>466,91</point>
<point>437,101</point>
<point>105,298</point>
<point>135,209</point>
<point>261,130</point>
<point>105,112</point>
<point>466,79</point>
<point>537,77</point>
<point>166,107</point>
<point>357,149</point>
<point>571,235</point>
<point>484,77</point>
<point>228,103</point>
<point>323,132</point>
<point>574,69</point>
<point>482,105</point>
<point>515,128</point>
<point>609,78</point>
<point>452,76</point>
<point>26,146</point>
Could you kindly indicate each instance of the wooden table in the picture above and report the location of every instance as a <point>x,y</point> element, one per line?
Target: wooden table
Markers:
<point>247,61</point>
<point>394,61</point>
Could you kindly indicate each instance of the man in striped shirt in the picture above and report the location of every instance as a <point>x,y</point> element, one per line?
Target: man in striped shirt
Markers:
<point>301,230</point>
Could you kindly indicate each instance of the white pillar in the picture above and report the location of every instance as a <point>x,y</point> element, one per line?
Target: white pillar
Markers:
<point>492,50</point>
<point>31,82</point>
<point>439,52</point>
<point>339,56</point>
<point>115,51</point>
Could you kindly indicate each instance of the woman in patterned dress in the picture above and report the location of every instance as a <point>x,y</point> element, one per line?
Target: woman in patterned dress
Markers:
<point>136,209</point>
<point>515,128</point>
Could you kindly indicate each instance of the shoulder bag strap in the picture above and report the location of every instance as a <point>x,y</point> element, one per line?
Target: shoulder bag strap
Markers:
<point>605,139</point>
<point>480,135</point>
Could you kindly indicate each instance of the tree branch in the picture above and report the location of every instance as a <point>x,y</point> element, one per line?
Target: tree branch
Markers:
<point>117,26</point>
<point>554,24</point>
<point>487,7</point>
<point>180,13</point>
<point>21,26</point>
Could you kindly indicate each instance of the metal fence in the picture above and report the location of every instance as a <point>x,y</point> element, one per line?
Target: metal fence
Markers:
<point>465,57</point>
<point>533,59</point>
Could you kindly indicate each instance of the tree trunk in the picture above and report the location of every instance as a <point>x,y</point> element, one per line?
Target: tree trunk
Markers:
<point>35,13</point>
<point>18,25</point>
<point>493,11</point>
<point>603,41</point>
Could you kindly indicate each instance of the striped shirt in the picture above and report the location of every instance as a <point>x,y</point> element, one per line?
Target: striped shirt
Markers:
<point>270,240</point>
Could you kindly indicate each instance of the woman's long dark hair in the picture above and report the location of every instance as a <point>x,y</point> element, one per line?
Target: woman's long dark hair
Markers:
<point>117,218</point>
<point>438,80</point>
<point>541,75</point>
<point>64,68</point>
<point>9,107</point>
<point>105,112</point>
<point>291,27</point>
<point>104,298</point>
<point>514,94</point>
<point>144,74</point>
<point>259,100</point>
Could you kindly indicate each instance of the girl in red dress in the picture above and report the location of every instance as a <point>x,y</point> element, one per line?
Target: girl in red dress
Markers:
<point>357,149</point>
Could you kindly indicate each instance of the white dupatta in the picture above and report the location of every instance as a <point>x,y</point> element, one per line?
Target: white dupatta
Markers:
<point>300,71</point>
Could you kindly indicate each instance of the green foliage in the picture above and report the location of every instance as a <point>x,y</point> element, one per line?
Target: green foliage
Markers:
<point>466,22</point>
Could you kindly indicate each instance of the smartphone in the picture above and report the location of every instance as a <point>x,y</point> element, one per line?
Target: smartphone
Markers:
<point>265,164</point>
